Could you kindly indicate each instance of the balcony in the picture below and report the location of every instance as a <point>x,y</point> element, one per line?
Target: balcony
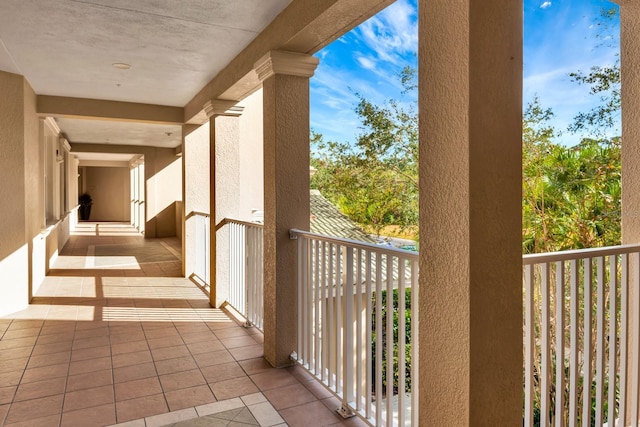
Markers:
<point>115,335</point>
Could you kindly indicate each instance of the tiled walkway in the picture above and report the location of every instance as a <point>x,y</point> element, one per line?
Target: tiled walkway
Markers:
<point>115,335</point>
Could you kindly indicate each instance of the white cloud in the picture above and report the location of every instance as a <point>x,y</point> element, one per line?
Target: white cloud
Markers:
<point>545,5</point>
<point>368,63</point>
<point>392,33</point>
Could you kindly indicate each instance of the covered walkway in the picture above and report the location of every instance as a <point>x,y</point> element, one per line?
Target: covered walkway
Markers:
<point>115,335</point>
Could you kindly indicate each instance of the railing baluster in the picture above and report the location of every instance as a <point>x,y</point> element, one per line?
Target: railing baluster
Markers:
<point>624,335</point>
<point>560,321</point>
<point>636,342</point>
<point>587,356</point>
<point>348,327</point>
<point>401,341</point>
<point>546,347</point>
<point>339,323</point>
<point>529,346</point>
<point>613,330</point>
<point>368,348</point>
<point>415,344</point>
<point>331,336</point>
<point>573,361</point>
<point>389,335</point>
<point>379,332</point>
<point>360,390</point>
<point>325,315</point>
<point>300,337</point>
<point>316,306</point>
<point>600,342</point>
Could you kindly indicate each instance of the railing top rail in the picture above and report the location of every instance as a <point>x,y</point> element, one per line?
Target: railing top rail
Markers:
<point>530,259</point>
<point>226,221</point>
<point>197,213</point>
<point>387,250</point>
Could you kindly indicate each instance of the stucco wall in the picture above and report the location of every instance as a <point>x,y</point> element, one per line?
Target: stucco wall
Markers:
<point>14,260</point>
<point>163,177</point>
<point>251,165</point>
<point>109,188</point>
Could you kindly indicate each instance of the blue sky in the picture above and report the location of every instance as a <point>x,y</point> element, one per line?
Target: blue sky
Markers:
<point>560,36</point>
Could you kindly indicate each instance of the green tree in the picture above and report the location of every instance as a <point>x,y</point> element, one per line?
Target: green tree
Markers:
<point>375,180</point>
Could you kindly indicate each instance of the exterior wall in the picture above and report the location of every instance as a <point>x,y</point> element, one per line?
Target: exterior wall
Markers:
<point>109,189</point>
<point>195,155</point>
<point>163,177</point>
<point>14,249</point>
<point>251,165</point>
<point>25,245</point>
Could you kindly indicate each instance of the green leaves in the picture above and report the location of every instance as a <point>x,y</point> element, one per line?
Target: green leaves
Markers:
<point>571,195</point>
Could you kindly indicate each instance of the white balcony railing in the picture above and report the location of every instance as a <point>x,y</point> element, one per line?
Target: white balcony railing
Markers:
<point>580,368</point>
<point>357,325</point>
<point>245,270</point>
<point>202,248</point>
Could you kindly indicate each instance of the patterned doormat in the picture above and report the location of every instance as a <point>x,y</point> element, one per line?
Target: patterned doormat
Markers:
<point>233,418</point>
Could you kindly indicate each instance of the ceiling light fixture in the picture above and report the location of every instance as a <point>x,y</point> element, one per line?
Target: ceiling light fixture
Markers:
<point>121,65</point>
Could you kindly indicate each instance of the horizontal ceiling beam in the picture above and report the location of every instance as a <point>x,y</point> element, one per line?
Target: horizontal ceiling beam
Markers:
<point>303,27</point>
<point>98,109</point>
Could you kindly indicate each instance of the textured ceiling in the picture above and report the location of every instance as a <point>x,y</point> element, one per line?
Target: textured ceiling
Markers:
<point>174,47</point>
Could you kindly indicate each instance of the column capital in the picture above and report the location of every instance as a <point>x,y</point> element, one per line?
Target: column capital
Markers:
<point>288,63</point>
<point>222,107</point>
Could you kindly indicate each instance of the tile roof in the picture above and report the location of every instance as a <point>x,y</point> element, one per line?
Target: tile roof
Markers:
<point>328,220</point>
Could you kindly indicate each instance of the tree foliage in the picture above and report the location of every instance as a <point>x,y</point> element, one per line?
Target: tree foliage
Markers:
<point>571,195</point>
<point>375,180</point>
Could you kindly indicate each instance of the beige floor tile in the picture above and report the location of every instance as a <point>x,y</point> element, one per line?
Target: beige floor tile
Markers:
<point>222,372</point>
<point>91,353</point>
<point>13,364</point>
<point>17,353</point>
<point>49,359</point>
<point>21,333</point>
<point>45,373</point>
<point>134,358</point>
<point>171,418</point>
<point>88,398</point>
<point>158,343</point>
<point>168,331</point>
<point>273,379</point>
<point>89,380</point>
<point>47,421</point>
<point>205,347</point>
<point>134,372</point>
<point>89,365</point>
<point>266,414</point>
<point>179,364</point>
<point>318,390</point>
<point>127,337</point>
<point>4,409</point>
<point>213,358</point>
<point>18,342</point>
<point>36,408</point>
<point>130,346</point>
<point>54,347</point>
<point>217,407</point>
<point>288,396</point>
<point>137,388</point>
<point>96,416</point>
<point>6,395</point>
<point>231,333</point>
<point>84,334</point>
<point>147,406</point>
<point>34,390</point>
<point>249,352</point>
<point>12,378</point>
<point>187,397</point>
<point>182,380</point>
<point>255,366</point>
<point>197,337</point>
<point>170,352</point>
<point>239,341</point>
<point>233,388</point>
<point>309,415</point>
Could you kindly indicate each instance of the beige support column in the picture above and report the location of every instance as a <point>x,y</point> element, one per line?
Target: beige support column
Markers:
<point>285,80</point>
<point>224,173</point>
<point>470,64</point>
<point>630,94</point>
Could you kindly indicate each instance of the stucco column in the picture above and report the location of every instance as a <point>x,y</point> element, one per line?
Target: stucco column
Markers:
<point>630,96</point>
<point>285,81</point>
<point>224,185</point>
<point>470,65</point>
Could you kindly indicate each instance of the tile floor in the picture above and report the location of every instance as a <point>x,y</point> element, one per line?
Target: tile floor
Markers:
<point>114,335</point>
